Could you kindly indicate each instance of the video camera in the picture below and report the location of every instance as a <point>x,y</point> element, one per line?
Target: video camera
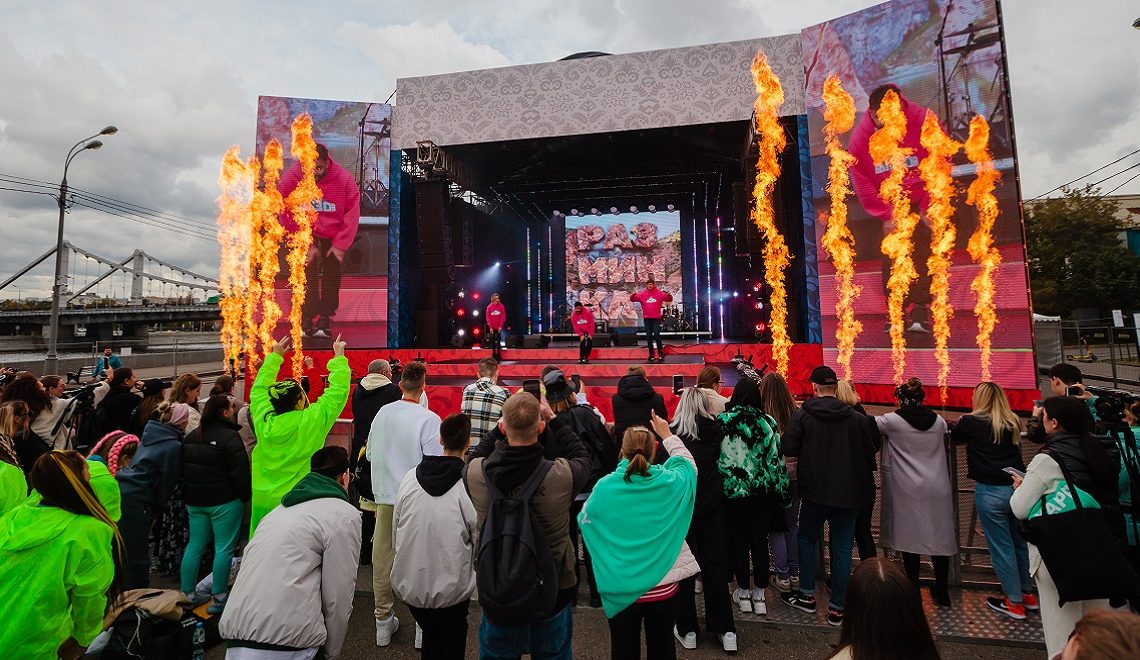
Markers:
<point>745,368</point>
<point>84,397</point>
<point>1110,405</point>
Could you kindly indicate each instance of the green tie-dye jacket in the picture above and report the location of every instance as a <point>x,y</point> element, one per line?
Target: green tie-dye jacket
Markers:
<point>750,461</point>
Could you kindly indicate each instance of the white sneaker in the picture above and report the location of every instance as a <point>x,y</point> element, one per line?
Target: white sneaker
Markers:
<point>728,641</point>
<point>743,599</point>
<point>689,641</point>
<point>385,628</point>
<point>419,637</point>
<point>758,604</point>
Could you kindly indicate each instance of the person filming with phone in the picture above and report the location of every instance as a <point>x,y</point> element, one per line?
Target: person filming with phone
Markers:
<point>1064,380</point>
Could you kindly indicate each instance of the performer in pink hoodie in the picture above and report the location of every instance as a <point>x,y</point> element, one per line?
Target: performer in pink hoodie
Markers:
<point>496,326</point>
<point>867,176</point>
<point>651,299</point>
<point>338,217</point>
<point>583,322</point>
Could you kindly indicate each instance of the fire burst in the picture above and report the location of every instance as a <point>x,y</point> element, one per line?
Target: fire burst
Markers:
<point>769,98</point>
<point>981,246</point>
<point>839,112</point>
<point>237,181</point>
<point>265,237</point>
<point>885,147</point>
<point>300,204</point>
<point>937,175</point>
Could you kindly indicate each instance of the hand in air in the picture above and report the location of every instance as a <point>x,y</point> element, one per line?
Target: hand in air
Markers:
<point>339,345</point>
<point>660,426</point>
<point>283,345</point>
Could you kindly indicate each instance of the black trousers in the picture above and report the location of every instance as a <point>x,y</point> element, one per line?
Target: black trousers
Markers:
<point>445,631</point>
<point>748,528</point>
<point>863,537</point>
<point>706,540</point>
<point>575,509</point>
<point>657,618</point>
<point>653,330</point>
<point>322,284</point>
<point>941,569</point>
<point>134,526</point>
<point>585,345</point>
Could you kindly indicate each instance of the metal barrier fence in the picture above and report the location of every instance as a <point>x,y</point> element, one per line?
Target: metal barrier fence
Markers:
<point>1104,352</point>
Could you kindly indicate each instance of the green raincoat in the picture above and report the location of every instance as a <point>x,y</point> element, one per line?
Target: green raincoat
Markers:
<point>286,442</point>
<point>13,487</point>
<point>105,487</point>
<point>55,569</point>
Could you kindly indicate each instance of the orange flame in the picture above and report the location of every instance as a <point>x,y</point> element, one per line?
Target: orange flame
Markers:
<point>265,237</point>
<point>237,180</point>
<point>885,147</point>
<point>839,112</point>
<point>300,204</point>
<point>769,98</point>
<point>981,246</point>
<point>937,174</point>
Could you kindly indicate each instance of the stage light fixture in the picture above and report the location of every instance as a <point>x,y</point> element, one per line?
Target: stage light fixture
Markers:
<point>596,211</point>
<point>633,210</point>
<point>652,209</point>
<point>735,294</point>
<point>476,331</point>
<point>476,296</point>
<point>558,214</point>
<point>613,209</point>
<point>575,212</point>
<point>461,312</point>
<point>669,207</point>
<point>462,294</point>
<point>475,313</point>
<point>461,332</point>
<point>498,263</point>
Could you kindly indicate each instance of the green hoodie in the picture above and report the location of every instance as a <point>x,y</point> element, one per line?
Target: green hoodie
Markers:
<point>55,569</point>
<point>286,442</point>
<point>13,487</point>
<point>105,487</point>
<point>313,486</point>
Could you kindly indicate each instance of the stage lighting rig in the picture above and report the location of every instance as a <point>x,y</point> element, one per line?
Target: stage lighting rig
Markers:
<point>652,209</point>
<point>633,210</point>
<point>614,210</point>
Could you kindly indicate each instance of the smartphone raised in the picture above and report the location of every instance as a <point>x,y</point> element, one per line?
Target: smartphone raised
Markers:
<point>577,382</point>
<point>678,383</point>
<point>1074,390</point>
<point>1014,472</point>
<point>531,385</point>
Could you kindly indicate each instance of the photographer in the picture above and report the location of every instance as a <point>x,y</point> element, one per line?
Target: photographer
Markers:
<point>48,415</point>
<point>1064,380</point>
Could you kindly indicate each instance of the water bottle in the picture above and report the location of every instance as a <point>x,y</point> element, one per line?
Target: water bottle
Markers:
<point>198,642</point>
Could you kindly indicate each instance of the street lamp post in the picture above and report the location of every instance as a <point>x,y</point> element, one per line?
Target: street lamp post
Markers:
<point>51,362</point>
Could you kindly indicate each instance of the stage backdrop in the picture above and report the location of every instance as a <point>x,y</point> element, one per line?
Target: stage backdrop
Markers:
<point>358,137</point>
<point>895,42</point>
<point>610,256</point>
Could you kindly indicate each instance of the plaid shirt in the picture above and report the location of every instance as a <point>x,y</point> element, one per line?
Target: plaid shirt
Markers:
<point>483,403</point>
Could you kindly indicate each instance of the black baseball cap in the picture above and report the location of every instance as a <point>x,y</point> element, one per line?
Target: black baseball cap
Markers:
<point>557,389</point>
<point>824,375</point>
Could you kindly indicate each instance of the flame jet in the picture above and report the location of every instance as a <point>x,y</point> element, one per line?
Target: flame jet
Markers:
<point>937,175</point>
<point>769,98</point>
<point>839,113</point>
<point>885,147</point>
<point>237,180</point>
<point>300,205</point>
<point>981,247</point>
<point>266,234</point>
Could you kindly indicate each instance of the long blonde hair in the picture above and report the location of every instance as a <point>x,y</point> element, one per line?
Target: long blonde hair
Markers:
<point>991,405</point>
<point>845,392</point>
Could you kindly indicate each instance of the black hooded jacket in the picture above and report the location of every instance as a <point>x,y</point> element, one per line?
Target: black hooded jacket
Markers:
<point>215,467</point>
<point>117,408</point>
<point>836,453</point>
<point>633,403</point>
<point>365,404</point>
<point>1067,449</point>
<point>706,452</point>
<point>437,474</point>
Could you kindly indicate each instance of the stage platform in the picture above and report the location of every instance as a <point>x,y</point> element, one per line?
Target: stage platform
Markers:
<point>450,370</point>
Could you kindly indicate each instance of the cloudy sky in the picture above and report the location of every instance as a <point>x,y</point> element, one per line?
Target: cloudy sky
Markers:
<point>181,81</point>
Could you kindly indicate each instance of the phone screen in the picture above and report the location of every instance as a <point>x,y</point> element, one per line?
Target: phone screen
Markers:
<point>678,383</point>
<point>1073,390</point>
<point>577,382</point>
<point>531,385</point>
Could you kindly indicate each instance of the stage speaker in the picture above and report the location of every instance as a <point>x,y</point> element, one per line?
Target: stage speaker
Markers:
<point>514,341</point>
<point>369,252</point>
<point>625,339</point>
<point>536,341</point>
<point>428,329</point>
<point>431,214</point>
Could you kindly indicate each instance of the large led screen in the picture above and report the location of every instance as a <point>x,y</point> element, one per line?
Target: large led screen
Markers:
<point>610,256</point>
<point>946,57</point>
<point>347,274</point>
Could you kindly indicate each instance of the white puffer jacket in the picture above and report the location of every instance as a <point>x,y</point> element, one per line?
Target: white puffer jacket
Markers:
<point>435,539</point>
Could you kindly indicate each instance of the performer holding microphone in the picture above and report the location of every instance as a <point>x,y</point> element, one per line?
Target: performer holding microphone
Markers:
<point>497,325</point>
<point>583,321</point>
<point>651,299</point>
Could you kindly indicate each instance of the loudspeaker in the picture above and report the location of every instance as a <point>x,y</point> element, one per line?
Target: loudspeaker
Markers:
<point>427,329</point>
<point>514,341</point>
<point>625,339</point>
<point>536,341</point>
<point>369,252</point>
<point>431,214</point>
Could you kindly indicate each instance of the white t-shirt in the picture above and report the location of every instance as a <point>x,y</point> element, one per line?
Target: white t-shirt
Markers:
<point>402,434</point>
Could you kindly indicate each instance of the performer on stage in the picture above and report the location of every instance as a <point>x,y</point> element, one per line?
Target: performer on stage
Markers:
<point>497,325</point>
<point>338,218</point>
<point>583,321</point>
<point>651,299</point>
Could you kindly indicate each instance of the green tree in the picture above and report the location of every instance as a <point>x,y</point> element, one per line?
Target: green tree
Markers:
<point>1076,257</point>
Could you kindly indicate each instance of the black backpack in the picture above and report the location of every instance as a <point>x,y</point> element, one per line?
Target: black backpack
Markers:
<point>599,442</point>
<point>514,571</point>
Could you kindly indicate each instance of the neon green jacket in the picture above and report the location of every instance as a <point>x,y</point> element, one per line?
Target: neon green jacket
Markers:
<point>286,442</point>
<point>55,569</point>
<point>105,487</point>
<point>13,487</point>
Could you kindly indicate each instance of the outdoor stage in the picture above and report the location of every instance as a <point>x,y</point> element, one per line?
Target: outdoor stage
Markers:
<point>450,370</point>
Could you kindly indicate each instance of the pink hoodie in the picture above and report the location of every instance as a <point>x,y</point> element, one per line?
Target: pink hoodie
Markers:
<point>651,301</point>
<point>496,316</point>
<point>338,213</point>
<point>867,177</point>
<point>583,322</point>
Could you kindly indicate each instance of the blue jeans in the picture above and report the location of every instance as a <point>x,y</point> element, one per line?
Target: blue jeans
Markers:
<point>223,522</point>
<point>653,331</point>
<point>1008,552</point>
<point>548,639</point>
<point>842,525</point>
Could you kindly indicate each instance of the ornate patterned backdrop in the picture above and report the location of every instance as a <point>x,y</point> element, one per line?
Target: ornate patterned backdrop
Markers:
<point>655,89</point>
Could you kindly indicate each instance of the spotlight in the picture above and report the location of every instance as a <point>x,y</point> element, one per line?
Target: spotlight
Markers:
<point>476,331</point>
<point>497,264</point>
<point>461,312</point>
<point>558,214</point>
<point>462,294</point>
<point>595,211</point>
<point>575,212</point>
<point>613,209</point>
<point>652,209</point>
<point>633,210</point>
<point>735,294</point>
<point>475,313</point>
<point>462,332</point>
<point>475,296</point>
<point>669,207</point>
